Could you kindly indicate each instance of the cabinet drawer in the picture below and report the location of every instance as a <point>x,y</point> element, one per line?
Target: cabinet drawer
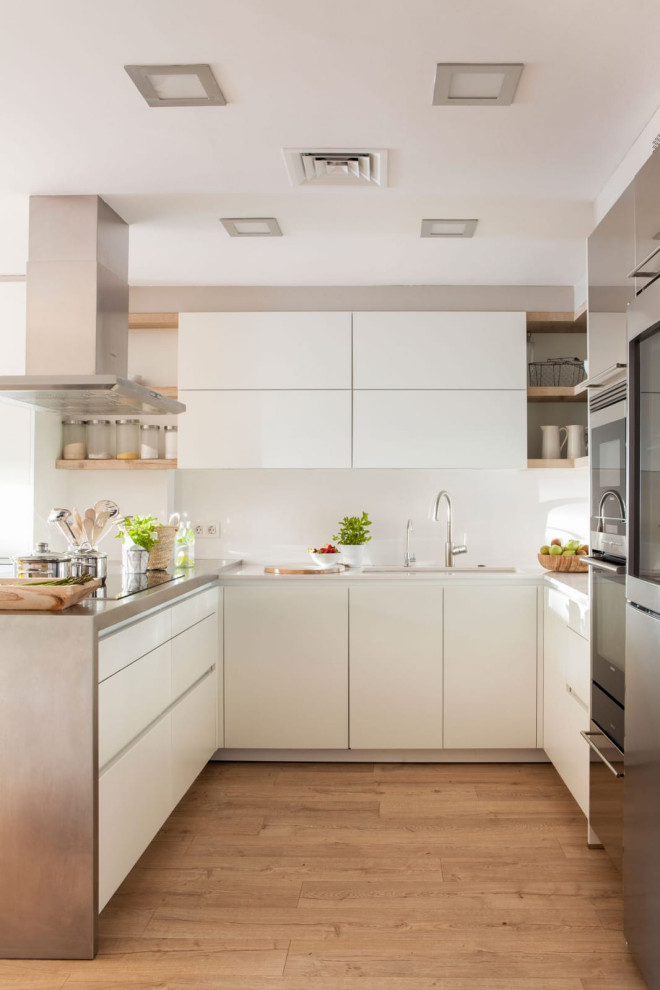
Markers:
<point>193,653</point>
<point>119,649</point>
<point>193,734</point>
<point>135,798</point>
<point>193,609</point>
<point>131,699</point>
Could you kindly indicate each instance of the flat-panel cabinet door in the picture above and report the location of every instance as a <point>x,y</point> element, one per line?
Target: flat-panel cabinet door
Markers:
<point>264,350</point>
<point>262,429</point>
<point>439,350</point>
<point>565,713</point>
<point>135,798</point>
<point>433,429</point>
<point>286,667</point>
<point>193,734</point>
<point>490,667</point>
<point>395,667</point>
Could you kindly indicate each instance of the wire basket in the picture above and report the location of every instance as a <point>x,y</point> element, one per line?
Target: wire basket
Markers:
<point>556,373</point>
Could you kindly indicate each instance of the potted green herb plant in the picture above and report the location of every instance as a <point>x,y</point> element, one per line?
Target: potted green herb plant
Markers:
<point>138,535</point>
<point>352,536</point>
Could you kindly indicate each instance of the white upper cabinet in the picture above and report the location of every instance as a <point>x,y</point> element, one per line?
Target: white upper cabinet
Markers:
<point>265,351</point>
<point>439,351</point>
<point>439,429</point>
<point>262,429</point>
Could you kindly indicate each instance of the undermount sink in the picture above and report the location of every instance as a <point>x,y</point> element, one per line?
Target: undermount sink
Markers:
<point>435,569</point>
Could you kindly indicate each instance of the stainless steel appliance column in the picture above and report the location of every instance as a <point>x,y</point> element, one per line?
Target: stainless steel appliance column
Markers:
<point>49,784</point>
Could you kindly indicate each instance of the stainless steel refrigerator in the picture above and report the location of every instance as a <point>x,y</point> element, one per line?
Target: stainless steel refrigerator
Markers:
<point>641,862</point>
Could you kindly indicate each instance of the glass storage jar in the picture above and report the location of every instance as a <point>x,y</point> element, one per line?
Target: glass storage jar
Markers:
<point>99,440</point>
<point>74,440</point>
<point>149,442</point>
<point>171,434</point>
<point>128,439</point>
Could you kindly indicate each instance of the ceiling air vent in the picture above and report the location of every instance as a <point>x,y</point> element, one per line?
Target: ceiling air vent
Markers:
<point>330,167</point>
<point>656,142</point>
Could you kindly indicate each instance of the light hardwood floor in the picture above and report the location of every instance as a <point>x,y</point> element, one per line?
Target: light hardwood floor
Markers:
<point>361,877</point>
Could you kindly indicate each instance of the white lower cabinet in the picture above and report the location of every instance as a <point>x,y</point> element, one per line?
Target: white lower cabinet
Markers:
<point>490,667</point>
<point>135,798</point>
<point>566,694</point>
<point>158,718</point>
<point>193,733</point>
<point>286,667</point>
<point>396,667</point>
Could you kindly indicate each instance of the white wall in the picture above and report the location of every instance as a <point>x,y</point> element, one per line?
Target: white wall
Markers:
<point>276,515</point>
<point>16,429</point>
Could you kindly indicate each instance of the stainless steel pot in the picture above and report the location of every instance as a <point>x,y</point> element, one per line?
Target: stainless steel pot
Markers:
<point>42,563</point>
<point>93,562</point>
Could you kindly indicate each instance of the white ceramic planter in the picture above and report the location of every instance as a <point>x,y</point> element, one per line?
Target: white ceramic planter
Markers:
<point>352,555</point>
<point>134,559</point>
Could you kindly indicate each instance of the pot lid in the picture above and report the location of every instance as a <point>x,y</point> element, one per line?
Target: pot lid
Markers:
<point>43,554</point>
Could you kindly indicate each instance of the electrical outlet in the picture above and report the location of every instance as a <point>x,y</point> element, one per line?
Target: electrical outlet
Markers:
<point>207,530</point>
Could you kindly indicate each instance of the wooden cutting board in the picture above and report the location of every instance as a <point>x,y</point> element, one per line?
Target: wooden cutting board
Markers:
<point>24,594</point>
<point>302,569</point>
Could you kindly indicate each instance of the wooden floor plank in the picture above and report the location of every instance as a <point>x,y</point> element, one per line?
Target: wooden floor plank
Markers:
<point>305,876</point>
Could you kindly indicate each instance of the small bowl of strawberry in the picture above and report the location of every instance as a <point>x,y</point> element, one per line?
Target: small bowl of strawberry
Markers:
<point>327,556</point>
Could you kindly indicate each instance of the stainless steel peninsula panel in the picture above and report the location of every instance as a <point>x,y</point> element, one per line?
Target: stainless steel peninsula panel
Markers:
<point>48,774</point>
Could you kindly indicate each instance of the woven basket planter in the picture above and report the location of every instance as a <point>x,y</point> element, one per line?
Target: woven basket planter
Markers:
<point>160,557</point>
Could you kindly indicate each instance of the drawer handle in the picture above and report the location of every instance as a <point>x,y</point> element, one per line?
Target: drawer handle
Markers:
<point>587,736</point>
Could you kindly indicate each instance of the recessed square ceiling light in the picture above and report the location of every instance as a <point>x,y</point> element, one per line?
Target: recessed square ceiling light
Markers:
<point>177,85</point>
<point>448,228</point>
<point>252,227</point>
<point>476,84</point>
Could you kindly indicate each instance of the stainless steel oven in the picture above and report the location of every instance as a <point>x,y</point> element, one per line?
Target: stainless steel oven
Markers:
<point>607,596</point>
<point>607,454</point>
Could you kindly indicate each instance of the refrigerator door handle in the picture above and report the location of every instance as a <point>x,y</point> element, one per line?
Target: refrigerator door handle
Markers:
<point>604,565</point>
<point>587,737</point>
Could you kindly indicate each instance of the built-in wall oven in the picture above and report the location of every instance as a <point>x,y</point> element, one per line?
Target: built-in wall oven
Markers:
<point>607,593</point>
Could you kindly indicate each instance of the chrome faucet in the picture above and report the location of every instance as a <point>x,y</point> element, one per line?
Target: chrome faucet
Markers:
<point>408,558</point>
<point>450,549</point>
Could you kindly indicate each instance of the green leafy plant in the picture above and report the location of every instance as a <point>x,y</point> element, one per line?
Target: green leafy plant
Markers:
<point>140,530</point>
<point>354,530</point>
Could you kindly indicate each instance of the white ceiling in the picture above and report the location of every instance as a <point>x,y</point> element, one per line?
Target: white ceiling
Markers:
<point>345,74</point>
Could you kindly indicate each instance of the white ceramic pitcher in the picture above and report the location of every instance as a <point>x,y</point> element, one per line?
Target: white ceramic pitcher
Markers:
<point>575,440</point>
<point>550,449</point>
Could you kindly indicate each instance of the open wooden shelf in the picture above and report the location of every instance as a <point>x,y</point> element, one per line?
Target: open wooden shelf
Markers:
<point>558,322</point>
<point>569,393</point>
<point>561,462</point>
<point>153,321</point>
<point>138,465</point>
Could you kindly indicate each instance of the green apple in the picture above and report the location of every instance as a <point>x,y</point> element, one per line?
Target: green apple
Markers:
<point>568,553</point>
<point>555,551</point>
<point>544,550</point>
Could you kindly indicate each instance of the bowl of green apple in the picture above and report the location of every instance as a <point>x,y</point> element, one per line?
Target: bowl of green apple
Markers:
<point>558,556</point>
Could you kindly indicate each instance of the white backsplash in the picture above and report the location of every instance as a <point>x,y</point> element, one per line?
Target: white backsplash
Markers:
<point>276,514</point>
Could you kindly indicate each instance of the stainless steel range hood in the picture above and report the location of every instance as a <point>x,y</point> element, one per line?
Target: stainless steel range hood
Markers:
<point>77,315</point>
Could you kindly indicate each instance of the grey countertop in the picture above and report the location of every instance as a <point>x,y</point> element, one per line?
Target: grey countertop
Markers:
<point>109,611</point>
